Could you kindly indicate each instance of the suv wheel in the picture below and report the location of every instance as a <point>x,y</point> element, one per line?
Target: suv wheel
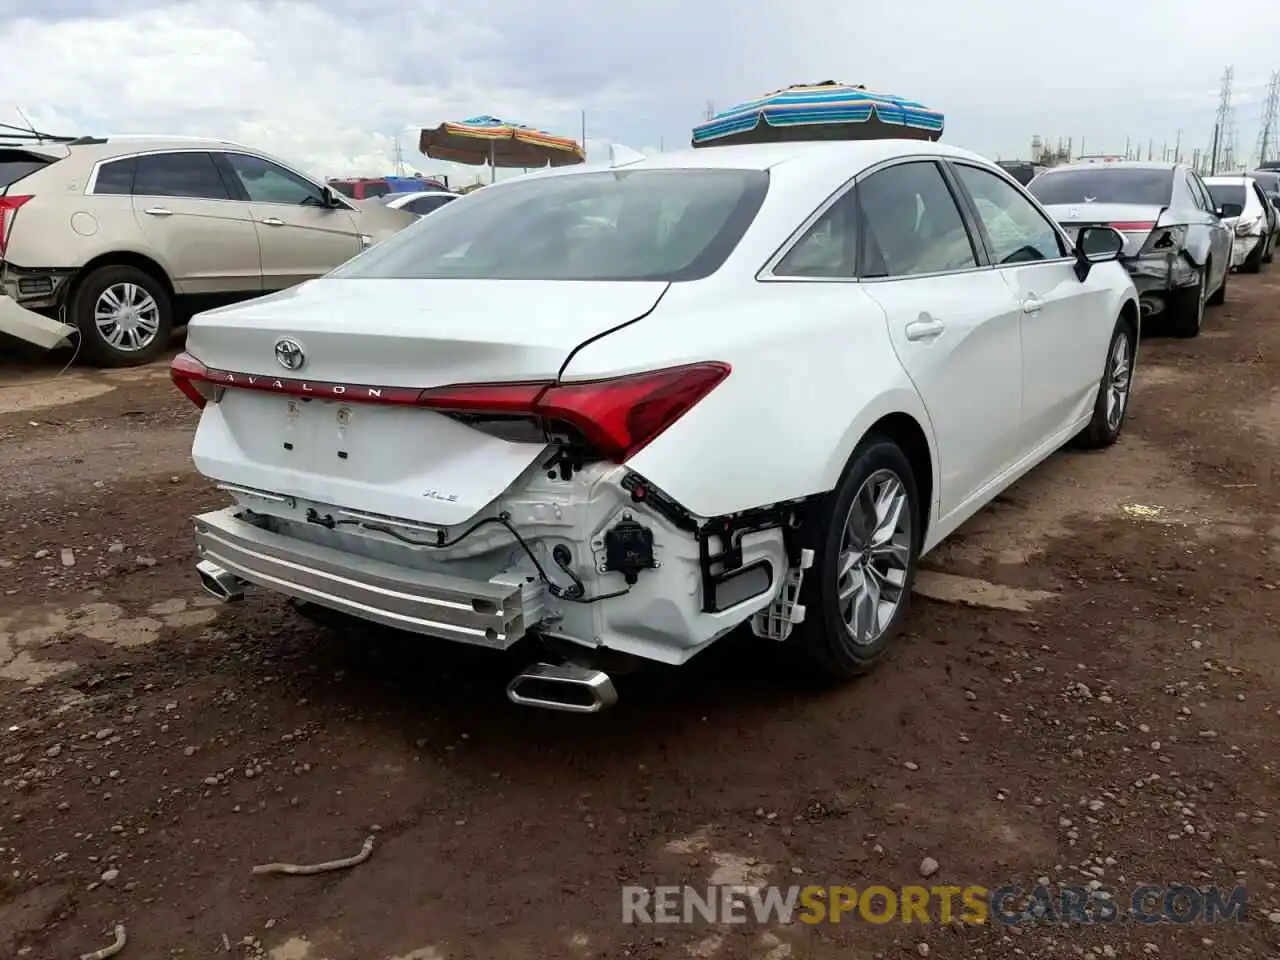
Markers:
<point>124,315</point>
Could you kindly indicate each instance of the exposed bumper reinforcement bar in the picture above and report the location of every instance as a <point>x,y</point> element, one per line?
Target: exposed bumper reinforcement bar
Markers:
<point>482,613</point>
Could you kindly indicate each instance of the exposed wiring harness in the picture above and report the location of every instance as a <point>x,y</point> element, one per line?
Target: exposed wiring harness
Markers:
<point>576,593</point>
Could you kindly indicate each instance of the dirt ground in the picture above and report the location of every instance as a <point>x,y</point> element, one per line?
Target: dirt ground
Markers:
<point>1090,690</point>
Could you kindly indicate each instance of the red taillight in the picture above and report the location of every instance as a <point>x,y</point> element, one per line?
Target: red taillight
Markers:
<point>617,417</point>
<point>1133,226</point>
<point>192,378</point>
<point>8,205</point>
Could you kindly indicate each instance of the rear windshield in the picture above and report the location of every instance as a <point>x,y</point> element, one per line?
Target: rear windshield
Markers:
<point>16,164</point>
<point>1151,188</point>
<point>666,225</point>
<point>1227,193</point>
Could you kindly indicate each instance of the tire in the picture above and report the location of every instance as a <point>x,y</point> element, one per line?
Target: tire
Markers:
<point>1253,262</point>
<point>1114,391</point>
<point>1187,313</point>
<point>1220,295</point>
<point>878,466</point>
<point>146,316</point>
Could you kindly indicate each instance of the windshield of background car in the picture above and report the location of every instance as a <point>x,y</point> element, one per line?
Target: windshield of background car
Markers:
<point>664,225</point>
<point>1226,193</point>
<point>1152,188</point>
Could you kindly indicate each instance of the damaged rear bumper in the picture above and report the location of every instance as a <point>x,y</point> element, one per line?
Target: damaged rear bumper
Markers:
<point>22,324</point>
<point>489,614</point>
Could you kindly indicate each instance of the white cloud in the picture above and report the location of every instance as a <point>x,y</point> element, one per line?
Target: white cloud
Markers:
<point>330,84</point>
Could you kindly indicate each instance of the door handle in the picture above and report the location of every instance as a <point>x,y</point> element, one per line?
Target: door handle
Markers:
<point>158,212</point>
<point>1032,304</point>
<point>272,222</point>
<point>924,329</point>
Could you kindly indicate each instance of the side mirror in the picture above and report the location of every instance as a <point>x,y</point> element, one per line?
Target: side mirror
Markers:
<point>1229,210</point>
<point>1097,245</point>
<point>331,197</point>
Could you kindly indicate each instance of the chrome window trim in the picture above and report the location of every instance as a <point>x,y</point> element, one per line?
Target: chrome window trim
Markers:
<point>767,275</point>
<point>211,149</point>
<point>1035,205</point>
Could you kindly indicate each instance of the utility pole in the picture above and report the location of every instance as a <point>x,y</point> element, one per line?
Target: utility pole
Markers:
<point>1195,160</point>
<point>711,110</point>
<point>1126,148</point>
<point>1177,148</point>
<point>584,131</point>
<point>1224,125</point>
<point>1270,134</point>
<point>399,158</point>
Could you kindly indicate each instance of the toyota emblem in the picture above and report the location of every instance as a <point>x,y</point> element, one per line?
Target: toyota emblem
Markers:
<point>289,354</point>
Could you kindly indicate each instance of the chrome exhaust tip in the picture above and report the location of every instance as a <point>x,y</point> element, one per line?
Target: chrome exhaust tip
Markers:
<point>219,583</point>
<point>566,687</point>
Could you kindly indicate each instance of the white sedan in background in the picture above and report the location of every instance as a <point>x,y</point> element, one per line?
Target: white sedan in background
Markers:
<point>420,202</point>
<point>1251,229</point>
<point>761,384</point>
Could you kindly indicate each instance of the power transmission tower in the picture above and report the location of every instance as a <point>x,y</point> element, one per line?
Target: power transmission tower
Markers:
<point>1224,126</point>
<point>1270,132</point>
<point>399,159</point>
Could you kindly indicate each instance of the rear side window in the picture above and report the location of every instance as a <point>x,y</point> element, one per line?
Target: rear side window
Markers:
<point>1227,193</point>
<point>16,164</point>
<point>191,175</point>
<point>911,224</point>
<point>1152,188</point>
<point>827,249</point>
<point>116,177</point>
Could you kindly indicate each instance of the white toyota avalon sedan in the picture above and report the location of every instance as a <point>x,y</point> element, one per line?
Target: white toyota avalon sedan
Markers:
<point>624,410</point>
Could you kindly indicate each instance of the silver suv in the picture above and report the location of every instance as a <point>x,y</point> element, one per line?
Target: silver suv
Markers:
<point>122,238</point>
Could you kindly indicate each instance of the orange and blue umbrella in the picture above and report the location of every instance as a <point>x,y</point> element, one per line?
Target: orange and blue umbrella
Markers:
<point>821,111</point>
<point>498,143</point>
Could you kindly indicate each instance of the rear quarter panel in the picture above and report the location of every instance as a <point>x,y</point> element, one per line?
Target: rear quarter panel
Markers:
<point>813,369</point>
<point>62,228</point>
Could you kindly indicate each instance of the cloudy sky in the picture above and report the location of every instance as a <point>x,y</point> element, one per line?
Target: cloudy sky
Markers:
<point>330,84</point>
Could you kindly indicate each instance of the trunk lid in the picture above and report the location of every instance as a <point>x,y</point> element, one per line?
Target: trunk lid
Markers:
<point>1129,218</point>
<point>332,447</point>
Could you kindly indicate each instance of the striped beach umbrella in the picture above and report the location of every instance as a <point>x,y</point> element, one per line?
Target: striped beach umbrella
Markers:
<point>821,111</point>
<point>498,143</point>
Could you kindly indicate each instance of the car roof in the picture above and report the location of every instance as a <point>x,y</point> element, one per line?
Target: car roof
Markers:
<point>1114,165</point>
<point>1235,179</point>
<point>828,160</point>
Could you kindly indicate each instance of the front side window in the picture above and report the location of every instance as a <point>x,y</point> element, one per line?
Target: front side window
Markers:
<point>1017,230</point>
<point>619,225</point>
<point>911,224</point>
<point>827,248</point>
<point>1223,193</point>
<point>267,182</point>
<point>1199,197</point>
<point>192,175</point>
<point>116,177</point>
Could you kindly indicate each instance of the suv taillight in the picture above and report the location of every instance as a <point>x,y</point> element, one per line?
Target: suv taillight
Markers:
<point>8,206</point>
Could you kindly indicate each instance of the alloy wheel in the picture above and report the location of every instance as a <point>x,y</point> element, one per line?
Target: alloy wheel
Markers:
<point>127,317</point>
<point>1119,378</point>
<point>874,557</point>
